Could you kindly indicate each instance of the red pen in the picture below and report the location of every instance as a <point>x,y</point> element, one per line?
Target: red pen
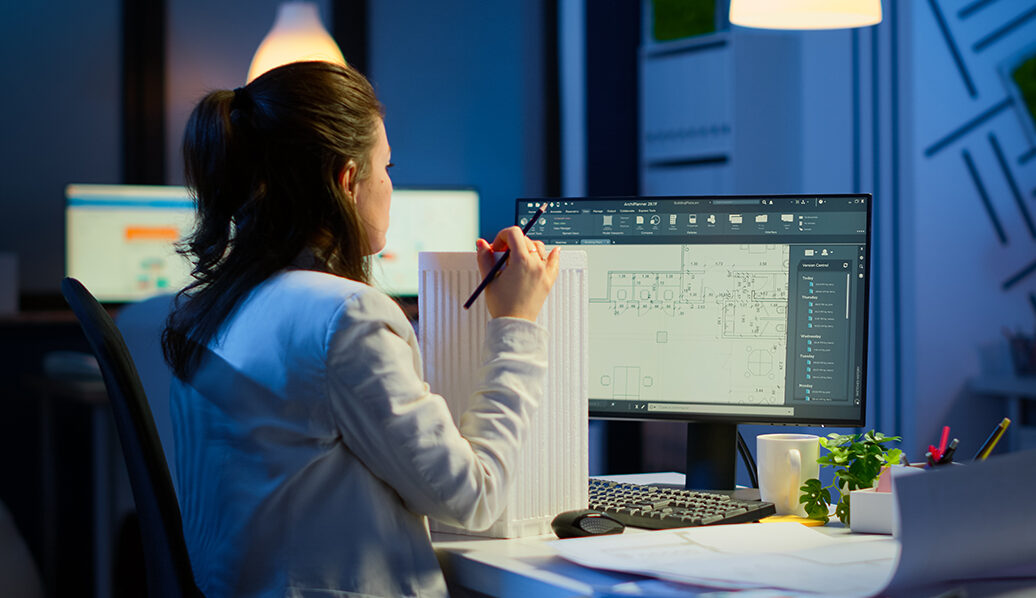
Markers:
<point>934,452</point>
<point>945,437</point>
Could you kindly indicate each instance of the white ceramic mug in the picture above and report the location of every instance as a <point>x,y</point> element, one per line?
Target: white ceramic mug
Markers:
<point>785,462</point>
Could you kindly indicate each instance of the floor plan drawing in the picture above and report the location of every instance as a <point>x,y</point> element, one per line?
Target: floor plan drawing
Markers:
<point>679,312</point>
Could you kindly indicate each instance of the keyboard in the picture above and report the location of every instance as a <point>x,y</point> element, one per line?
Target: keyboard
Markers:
<point>659,507</point>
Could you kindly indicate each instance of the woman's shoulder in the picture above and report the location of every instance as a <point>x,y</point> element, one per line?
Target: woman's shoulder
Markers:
<point>317,282</point>
<point>322,292</point>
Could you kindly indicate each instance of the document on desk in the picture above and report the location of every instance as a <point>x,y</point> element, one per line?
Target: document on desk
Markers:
<point>773,555</point>
<point>952,528</point>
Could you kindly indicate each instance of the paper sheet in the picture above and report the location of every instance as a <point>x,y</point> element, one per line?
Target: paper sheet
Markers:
<point>954,527</point>
<point>785,555</point>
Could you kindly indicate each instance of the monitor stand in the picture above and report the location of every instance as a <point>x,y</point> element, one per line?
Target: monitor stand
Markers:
<point>711,456</point>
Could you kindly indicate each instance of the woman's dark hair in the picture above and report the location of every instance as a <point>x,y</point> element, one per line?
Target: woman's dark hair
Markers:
<point>263,163</point>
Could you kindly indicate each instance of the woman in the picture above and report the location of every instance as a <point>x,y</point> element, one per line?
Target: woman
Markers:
<point>309,450</point>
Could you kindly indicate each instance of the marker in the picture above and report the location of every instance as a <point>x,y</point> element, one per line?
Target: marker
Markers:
<point>994,438</point>
<point>503,258</point>
<point>942,441</point>
<point>947,457</point>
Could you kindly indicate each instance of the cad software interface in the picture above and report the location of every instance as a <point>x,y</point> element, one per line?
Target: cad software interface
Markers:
<point>747,309</point>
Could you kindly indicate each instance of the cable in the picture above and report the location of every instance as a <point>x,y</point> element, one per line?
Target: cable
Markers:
<point>746,456</point>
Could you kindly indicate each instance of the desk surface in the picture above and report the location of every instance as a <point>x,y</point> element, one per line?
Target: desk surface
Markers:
<point>530,567</point>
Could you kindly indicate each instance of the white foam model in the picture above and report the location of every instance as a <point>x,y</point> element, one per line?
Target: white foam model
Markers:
<point>551,471</point>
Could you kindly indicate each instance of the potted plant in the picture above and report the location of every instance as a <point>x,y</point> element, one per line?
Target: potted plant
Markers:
<point>858,460</point>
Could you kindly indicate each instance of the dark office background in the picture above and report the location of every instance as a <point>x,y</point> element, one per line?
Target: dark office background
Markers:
<point>552,97</point>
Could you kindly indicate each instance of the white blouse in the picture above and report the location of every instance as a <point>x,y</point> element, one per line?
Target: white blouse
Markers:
<point>309,449</point>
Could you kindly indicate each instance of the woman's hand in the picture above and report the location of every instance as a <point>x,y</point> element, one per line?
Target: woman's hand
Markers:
<point>521,287</point>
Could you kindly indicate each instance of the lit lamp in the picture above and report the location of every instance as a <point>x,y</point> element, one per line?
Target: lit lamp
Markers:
<point>805,14</point>
<point>297,35</point>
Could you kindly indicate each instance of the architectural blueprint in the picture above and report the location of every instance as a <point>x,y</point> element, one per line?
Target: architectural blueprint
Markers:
<point>697,310</point>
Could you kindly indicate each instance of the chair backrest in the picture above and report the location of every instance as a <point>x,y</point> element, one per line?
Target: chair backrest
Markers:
<point>165,552</point>
<point>141,326</point>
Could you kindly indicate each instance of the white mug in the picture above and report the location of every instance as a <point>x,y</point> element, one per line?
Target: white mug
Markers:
<point>785,462</point>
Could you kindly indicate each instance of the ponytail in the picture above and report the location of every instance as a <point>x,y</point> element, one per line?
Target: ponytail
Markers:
<point>212,176</point>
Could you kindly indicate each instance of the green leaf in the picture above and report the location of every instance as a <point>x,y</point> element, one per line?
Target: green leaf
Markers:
<point>818,512</point>
<point>815,499</point>
<point>857,460</point>
<point>842,510</point>
<point>841,439</point>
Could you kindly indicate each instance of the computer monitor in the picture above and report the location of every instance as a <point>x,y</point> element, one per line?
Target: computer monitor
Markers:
<point>119,239</point>
<point>721,310</point>
<point>423,220</point>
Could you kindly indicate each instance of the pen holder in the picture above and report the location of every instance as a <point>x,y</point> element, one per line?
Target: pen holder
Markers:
<point>551,470</point>
<point>873,510</point>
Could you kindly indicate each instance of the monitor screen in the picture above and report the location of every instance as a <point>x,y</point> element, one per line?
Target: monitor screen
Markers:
<point>119,239</point>
<point>423,220</point>
<point>734,309</point>
<point>748,309</point>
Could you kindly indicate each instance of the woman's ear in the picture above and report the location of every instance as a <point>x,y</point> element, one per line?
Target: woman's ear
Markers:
<point>347,178</point>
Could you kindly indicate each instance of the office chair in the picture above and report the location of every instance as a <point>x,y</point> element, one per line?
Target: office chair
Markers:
<point>167,563</point>
<point>141,325</point>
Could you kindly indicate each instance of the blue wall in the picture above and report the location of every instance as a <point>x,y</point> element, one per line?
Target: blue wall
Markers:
<point>60,120</point>
<point>970,156</point>
<point>462,86</point>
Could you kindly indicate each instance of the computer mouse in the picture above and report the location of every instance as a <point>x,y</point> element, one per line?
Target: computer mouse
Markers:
<point>585,522</point>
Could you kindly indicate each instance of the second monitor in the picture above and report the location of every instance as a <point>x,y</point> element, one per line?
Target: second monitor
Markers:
<point>423,220</point>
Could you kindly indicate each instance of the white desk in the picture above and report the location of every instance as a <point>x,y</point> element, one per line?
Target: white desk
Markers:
<point>522,567</point>
<point>529,567</point>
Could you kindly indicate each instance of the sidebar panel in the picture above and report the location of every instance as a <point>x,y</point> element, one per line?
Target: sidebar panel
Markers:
<point>821,330</point>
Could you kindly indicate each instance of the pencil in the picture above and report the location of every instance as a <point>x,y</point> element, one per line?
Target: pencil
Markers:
<point>994,438</point>
<point>503,258</point>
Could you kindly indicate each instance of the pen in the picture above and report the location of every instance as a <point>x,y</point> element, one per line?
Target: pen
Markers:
<point>994,437</point>
<point>947,457</point>
<point>503,258</point>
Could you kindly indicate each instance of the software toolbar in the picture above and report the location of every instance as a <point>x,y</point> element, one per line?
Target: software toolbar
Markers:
<point>583,222</point>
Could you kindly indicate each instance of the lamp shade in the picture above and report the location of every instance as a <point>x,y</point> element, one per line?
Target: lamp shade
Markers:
<point>297,35</point>
<point>805,14</point>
